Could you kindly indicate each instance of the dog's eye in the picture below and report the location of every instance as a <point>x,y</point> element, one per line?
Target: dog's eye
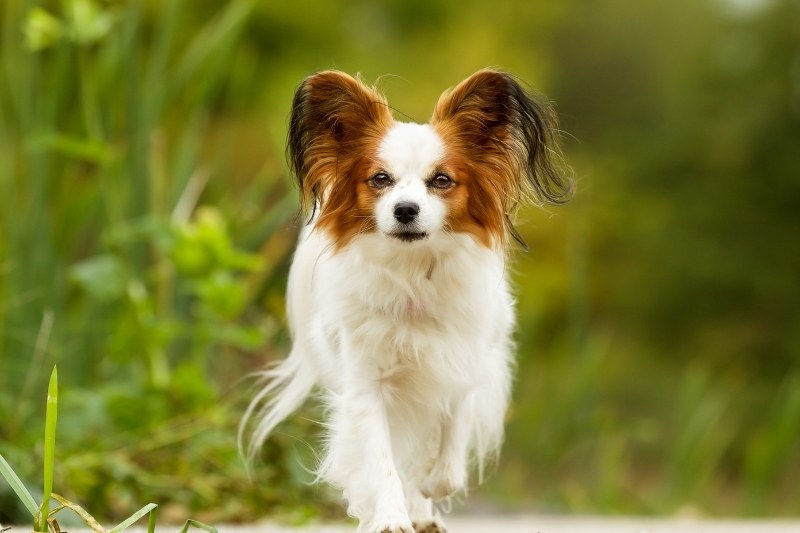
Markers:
<point>441,181</point>
<point>381,180</point>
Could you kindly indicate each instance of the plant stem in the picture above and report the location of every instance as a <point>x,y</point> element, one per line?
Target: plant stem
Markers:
<point>91,117</point>
<point>51,417</point>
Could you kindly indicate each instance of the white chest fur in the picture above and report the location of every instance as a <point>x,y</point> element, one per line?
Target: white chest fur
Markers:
<point>409,310</point>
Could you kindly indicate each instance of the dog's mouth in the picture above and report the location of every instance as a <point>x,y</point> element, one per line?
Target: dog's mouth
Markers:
<point>409,236</point>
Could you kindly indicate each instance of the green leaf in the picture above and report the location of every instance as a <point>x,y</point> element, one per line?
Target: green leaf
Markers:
<point>42,29</point>
<point>192,257</point>
<point>88,519</point>
<point>82,149</point>
<point>213,37</point>
<point>17,486</point>
<point>136,516</point>
<point>51,418</point>
<point>87,22</point>
<point>151,521</point>
<point>237,260</point>
<point>222,293</point>
<point>244,337</point>
<point>198,525</point>
<point>101,276</point>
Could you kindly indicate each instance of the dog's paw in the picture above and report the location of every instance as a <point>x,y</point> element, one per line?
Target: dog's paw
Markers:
<point>393,525</point>
<point>396,528</point>
<point>430,526</point>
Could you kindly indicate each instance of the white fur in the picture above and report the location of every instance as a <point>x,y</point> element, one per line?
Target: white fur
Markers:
<point>409,345</point>
<point>410,153</point>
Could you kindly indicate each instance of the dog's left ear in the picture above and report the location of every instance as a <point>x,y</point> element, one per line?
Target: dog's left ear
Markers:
<point>508,132</point>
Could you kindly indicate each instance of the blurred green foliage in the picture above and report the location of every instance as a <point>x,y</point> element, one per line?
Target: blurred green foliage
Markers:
<point>147,222</point>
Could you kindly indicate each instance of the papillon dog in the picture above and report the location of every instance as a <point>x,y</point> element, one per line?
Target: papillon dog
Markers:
<point>398,299</point>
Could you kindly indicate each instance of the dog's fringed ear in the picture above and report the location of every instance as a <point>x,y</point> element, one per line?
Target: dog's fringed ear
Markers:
<point>504,129</point>
<point>333,116</point>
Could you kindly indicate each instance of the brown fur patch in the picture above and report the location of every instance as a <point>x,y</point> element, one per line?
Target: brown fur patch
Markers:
<point>472,208</point>
<point>336,126</point>
<point>500,141</point>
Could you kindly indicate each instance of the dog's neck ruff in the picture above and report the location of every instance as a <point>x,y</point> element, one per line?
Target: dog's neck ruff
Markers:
<point>438,280</point>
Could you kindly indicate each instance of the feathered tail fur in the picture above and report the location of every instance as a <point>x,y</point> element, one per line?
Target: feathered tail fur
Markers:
<point>284,387</point>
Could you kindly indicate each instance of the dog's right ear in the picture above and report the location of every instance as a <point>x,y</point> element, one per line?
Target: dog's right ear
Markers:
<point>334,116</point>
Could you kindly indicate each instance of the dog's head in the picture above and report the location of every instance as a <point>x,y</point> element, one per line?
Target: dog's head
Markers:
<point>488,145</point>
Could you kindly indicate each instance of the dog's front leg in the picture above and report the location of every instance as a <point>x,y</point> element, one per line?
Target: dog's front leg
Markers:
<point>449,472</point>
<point>360,457</point>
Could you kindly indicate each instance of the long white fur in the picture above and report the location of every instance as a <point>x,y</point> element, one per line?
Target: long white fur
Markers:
<point>409,345</point>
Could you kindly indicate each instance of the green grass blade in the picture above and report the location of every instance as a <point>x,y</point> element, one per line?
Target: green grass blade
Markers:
<point>198,525</point>
<point>88,519</point>
<point>50,420</point>
<point>17,486</point>
<point>136,516</point>
<point>151,522</point>
<point>213,37</point>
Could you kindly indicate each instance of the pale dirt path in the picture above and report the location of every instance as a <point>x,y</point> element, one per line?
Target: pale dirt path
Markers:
<point>542,524</point>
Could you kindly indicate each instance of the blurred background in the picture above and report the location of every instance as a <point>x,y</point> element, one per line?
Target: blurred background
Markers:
<point>147,220</point>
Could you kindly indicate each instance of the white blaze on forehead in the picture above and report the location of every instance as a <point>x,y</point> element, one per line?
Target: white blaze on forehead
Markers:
<point>410,150</point>
<point>410,154</point>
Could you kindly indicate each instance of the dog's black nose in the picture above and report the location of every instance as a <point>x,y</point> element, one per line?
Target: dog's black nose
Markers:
<point>406,212</point>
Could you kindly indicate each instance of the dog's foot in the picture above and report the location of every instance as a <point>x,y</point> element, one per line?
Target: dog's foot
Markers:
<point>432,526</point>
<point>394,525</point>
<point>396,528</point>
